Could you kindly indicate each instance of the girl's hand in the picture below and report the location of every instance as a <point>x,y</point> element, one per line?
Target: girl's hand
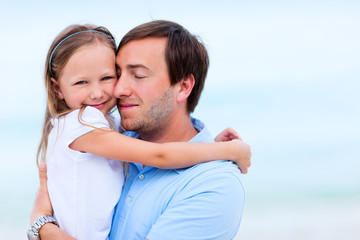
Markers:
<point>42,205</point>
<point>227,135</point>
<point>243,155</point>
<point>243,152</point>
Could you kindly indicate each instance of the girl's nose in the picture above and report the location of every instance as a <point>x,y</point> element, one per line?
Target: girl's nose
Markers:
<point>96,92</point>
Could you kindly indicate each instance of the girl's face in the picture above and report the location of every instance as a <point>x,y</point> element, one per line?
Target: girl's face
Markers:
<point>88,78</point>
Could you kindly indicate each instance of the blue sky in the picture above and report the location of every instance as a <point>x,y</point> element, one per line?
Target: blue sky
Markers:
<point>257,43</point>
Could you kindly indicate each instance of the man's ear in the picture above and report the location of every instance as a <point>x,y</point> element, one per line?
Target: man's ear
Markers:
<point>56,87</point>
<point>185,87</point>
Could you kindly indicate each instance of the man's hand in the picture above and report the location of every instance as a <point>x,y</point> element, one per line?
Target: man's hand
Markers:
<point>42,205</point>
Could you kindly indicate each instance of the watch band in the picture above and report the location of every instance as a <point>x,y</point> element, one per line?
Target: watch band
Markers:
<point>33,232</point>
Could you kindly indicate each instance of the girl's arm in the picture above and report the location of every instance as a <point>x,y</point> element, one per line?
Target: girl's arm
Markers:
<point>111,144</point>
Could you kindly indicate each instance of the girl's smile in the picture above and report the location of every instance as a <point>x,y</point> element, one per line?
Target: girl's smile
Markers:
<point>99,106</point>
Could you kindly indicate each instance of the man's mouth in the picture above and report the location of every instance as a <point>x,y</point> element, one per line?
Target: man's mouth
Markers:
<point>127,106</point>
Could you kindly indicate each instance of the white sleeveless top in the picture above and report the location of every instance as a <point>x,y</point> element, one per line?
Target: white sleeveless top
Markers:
<point>83,188</point>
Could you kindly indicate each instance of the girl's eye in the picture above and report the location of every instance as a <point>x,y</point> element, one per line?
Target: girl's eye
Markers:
<point>107,78</point>
<point>80,82</point>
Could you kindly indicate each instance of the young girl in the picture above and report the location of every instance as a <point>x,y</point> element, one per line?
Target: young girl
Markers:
<point>84,183</point>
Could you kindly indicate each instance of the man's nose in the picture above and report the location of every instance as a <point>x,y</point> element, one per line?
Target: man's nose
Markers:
<point>122,87</point>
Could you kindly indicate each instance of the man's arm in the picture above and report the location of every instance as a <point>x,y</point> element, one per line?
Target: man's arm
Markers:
<point>42,207</point>
<point>51,231</point>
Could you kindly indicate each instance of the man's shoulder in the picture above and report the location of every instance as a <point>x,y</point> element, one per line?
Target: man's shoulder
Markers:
<point>220,166</point>
<point>221,172</point>
<point>208,200</point>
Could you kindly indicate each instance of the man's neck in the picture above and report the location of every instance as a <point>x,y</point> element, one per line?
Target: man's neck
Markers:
<point>177,129</point>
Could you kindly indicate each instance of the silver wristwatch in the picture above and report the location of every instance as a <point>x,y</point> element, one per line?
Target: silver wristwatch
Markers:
<point>33,232</point>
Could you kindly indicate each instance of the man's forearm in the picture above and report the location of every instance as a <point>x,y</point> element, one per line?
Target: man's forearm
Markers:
<point>52,232</point>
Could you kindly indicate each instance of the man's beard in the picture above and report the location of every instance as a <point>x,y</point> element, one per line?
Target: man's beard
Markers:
<point>152,119</point>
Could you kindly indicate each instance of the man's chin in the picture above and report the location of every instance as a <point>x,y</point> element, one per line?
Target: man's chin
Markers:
<point>128,125</point>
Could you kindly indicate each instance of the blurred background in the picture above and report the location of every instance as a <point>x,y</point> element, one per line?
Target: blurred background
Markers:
<point>284,74</point>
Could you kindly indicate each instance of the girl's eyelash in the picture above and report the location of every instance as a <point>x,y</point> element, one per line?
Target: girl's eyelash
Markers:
<point>80,82</point>
<point>107,78</point>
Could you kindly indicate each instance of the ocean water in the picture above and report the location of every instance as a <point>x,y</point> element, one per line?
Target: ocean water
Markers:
<point>303,182</point>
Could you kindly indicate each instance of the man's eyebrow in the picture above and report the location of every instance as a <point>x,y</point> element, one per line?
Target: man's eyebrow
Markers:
<point>132,66</point>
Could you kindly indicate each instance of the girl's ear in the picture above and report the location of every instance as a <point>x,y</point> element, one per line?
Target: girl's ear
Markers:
<point>56,87</point>
<point>185,87</point>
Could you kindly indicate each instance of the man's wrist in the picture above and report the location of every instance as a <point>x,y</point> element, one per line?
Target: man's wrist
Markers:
<point>47,230</point>
<point>33,232</point>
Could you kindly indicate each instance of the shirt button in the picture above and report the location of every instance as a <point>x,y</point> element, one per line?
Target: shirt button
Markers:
<point>141,177</point>
<point>129,199</point>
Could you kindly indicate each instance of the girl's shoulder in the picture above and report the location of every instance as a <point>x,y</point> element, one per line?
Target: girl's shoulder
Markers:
<point>86,113</point>
<point>87,116</point>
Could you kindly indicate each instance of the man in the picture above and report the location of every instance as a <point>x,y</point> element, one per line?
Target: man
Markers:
<point>162,69</point>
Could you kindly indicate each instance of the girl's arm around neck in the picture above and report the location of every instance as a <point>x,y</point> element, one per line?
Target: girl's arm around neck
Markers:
<point>113,145</point>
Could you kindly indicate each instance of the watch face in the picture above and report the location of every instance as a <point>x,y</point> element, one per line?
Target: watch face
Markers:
<point>31,235</point>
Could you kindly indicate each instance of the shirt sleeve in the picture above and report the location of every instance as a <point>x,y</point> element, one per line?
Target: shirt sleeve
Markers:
<point>202,210</point>
<point>78,125</point>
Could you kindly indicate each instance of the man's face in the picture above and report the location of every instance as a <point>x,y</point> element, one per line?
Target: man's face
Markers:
<point>146,99</point>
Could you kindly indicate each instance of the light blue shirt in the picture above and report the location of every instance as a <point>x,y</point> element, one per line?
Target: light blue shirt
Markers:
<point>201,202</point>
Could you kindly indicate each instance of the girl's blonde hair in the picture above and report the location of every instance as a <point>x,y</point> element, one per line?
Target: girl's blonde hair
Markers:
<point>67,42</point>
